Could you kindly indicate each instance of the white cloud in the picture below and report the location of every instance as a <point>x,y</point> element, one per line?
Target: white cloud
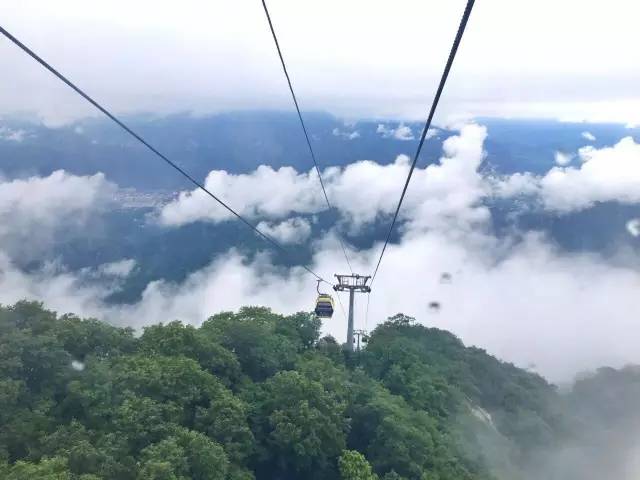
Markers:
<point>517,184</point>
<point>562,159</point>
<point>447,191</point>
<point>633,227</point>
<point>404,132</point>
<point>294,230</point>
<point>362,192</point>
<point>345,135</point>
<point>605,174</point>
<point>589,136</point>
<point>12,135</point>
<point>58,288</point>
<point>33,211</point>
<point>433,131</point>
<point>266,192</point>
<point>523,303</point>
<point>401,132</point>
<point>384,130</point>
<point>120,268</point>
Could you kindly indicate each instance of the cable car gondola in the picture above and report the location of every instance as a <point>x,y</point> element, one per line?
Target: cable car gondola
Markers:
<point>324,304</point>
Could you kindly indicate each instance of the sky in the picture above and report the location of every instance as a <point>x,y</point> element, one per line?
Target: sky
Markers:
<point>571,60</point>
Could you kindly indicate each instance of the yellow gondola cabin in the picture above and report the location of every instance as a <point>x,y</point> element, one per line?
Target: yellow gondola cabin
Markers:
<point>324,306</point>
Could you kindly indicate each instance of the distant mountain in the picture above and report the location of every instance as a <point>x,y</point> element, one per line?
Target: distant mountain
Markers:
<point>240,141</point>
<point>236,142</point>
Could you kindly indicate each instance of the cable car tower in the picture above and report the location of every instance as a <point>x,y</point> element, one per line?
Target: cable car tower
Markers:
<point>352,283</point>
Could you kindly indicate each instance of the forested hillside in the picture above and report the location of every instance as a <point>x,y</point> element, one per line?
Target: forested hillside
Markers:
<point>259,395</point>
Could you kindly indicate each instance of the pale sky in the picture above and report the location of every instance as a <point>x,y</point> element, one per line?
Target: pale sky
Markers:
<point>569,59</point>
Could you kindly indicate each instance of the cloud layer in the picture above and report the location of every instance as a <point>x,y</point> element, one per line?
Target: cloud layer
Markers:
<point>266,193</point>
<point>607,174</point>
<point>589,136</point>
<point>226,60</point>
<point>401,132</point>
<point>35,211</point>
<point>520,298</point>
<point>293,230</point>
<point>336,132</point>
<point>10,135</point>
<point>362,192</point>
<point>603,175</point>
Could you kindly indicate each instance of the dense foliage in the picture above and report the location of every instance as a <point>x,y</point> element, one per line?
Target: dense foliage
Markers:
<point>257,395</point>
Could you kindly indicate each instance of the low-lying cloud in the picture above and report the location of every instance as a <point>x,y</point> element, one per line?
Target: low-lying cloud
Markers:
<point>119,268</point>
<point>606,174</point>
<point>520,298</point>
<point>401,132</point>
<point>266,192</point>
<point>589,136</point>
<point>563,159</point>
<point>291,231</point>
<point>12,135</point>
<point>633,227</point>
<point>336,132</point>
<point>35,211</point>
<point>362,192</point>
<point>603,175</point>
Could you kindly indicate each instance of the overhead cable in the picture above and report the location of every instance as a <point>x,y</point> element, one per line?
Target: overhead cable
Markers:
<point>436,99</point>
<point>304,128</point>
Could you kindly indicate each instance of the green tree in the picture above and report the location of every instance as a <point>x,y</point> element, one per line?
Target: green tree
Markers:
<point>207,459</point>
<point>46,469</point>
<point>178,380</point>
<point>185,455</point>
<point>330,347</point>
<point>303,328</point>
<point>354,466</point>
<point>225,421</point>
<point>92,337</point>
<point>142,420</point>
<point>394,436</point>
<point>301,427</point>
<point>177,339</point>
<point>253,337</point>
<point>165,460</point>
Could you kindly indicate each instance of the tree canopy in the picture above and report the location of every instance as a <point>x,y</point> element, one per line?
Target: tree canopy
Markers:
<point>256,395</point>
